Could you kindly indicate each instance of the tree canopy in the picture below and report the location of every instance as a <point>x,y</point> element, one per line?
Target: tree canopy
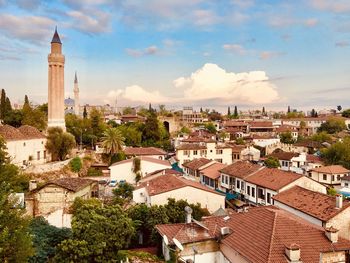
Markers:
<point>59,143</point>
<point>333,125</point>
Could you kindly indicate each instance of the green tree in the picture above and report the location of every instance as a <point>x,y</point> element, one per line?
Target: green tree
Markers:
<point>45,239</point>
<point>228,111</point>
<point>151,132</point>
<point>210,127</point>
<point>2,104</point>
<point>263,111</point>
<point>8,106</point>
<point>132,134</point>
<point>123,193</point>
<point>112,141</point>
<point>288,110</point>
<point>346,113</point>
<point>15,238</point>
<point>59,143</point>
<point>97,124</point>
<point>128,110</point>
<point>331,191</point>
<point>321,137</point>
<point>75,164</point>
<point>14,118</point>
<point>235,113</point>
<point>99,232</point>
<point>339,107</point>
<point>272,162</point>
<point>338,153</point>
<point>286,137</point>
<point>85,114</point>
<point>333,125</point>
<point>35,118</point>
<point>240,141</point>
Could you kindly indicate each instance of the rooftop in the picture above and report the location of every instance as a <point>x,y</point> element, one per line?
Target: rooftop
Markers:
<point>272,178</point>
<point>143,151</point>
<point>318,205</point>
<point>331,169</point>
<point>196,163</point>
<point>259,235</point>
<point>241,169</point>
<point>145,159</point>
<point>24,132</point>
<point>284,155</point>
<point>167,183</point>
<point>213,171</point>
<point>71,184</point>
<point>191,146</point>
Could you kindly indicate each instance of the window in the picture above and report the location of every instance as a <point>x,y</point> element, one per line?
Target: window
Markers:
<point>338,177</point>
<point>218,160</point>
<point>219,151</point>
<point>24,144</point>
<point>222,178</point>
<point>195,152</point>
<point>38,155</point>
<point>186,152</point>
<point>346,184</point>
<point>324,177</point>
<point>261,193</point>
<point>248,189</point>
<point>269,198</point>
<point>332,178</point>
<point>226,179</point>
<point>44,154</point>
<point>242,185</point>
<point>238,184</point>
<point>310,174</point>
<point>253,192</point>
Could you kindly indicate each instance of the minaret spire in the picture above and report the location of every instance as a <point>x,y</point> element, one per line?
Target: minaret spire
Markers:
<point>76,96</point>
<point>75,78</point>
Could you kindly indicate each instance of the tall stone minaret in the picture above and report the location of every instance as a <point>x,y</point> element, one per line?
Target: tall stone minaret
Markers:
<point>76,96</point>
<point>56,84</point>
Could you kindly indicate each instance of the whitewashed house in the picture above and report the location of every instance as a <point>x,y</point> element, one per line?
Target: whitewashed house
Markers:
<point>124,170</point>
<point>25,145</point>
<point>152,152</point>
<point>330,175</point>
<point>158,190</point>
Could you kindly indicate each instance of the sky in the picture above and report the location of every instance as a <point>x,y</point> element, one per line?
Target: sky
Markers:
<point>201,53</point>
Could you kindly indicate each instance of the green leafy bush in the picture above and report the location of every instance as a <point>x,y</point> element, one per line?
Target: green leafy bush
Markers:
<point>94,172</point>
<point>75,164</point>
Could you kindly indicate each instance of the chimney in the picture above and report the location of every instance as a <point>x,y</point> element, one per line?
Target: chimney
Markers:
<point>293,252</point>
<point>339,201</point>
<point>188,211</point>
<point>32,185</point>
<point>332,234</point>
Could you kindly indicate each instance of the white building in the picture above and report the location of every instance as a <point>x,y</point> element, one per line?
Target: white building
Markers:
<point>124,170</point>
<point>329,175</point>
<point>145,152</point>
<point>160,189</point>
<point>25,145</point>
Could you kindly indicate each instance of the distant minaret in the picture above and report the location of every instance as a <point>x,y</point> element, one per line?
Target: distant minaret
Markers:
<point>76,96</point>
<point>56,84</point>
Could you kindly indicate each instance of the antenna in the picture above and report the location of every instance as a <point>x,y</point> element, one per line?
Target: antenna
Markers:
<point>178,244</point>
<point>166,241</point>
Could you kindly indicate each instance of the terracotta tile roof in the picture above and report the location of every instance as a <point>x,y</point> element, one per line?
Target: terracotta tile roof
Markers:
<point>273,178</point>
<point>10,133</point>
<point>196,163</point>
<point>72,184</point>
<point>143,151</point>
<point>309,144</point>
<point>261,124</point>
<point>318,205</point>
<point>167,183</point>
<point>284,155</point>
<point>260,235</point>
<point>241,169</point>
<point>286,128</point>
<point>331,169</point>
<point>213,171</point>
<point>313,158</point>
<point>144,158</point>
<point>237,148</point>
<point>195,139</point>
<point>191,146</point>
<point>31,132</point>
<point>25,132</point>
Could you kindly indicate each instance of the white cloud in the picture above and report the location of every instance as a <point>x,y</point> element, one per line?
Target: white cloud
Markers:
<point>90,21</point>
<point>204,17</point>
<point>270,54</point>
<point>136,93</point>
<point>151,50</point>
<point>35,29</point>
<point>235,48</point>
<point>207,85</point>
<point>212,82</point>
<point>336,6</point>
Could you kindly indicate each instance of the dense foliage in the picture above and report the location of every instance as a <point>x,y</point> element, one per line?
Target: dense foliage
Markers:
<point>338,153</point>
<point>59,143</point>
<point>76,164</point>
<point>333,125</point>
<point>272,162</point>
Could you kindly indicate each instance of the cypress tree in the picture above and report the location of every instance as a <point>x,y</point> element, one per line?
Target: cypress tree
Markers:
<point>2,104</point>
<point>85,113</point>
<point>8,106</point>
<point>228,111</point>
<point>235,113</point>
<point>288,109</point>
<point>263,110</point>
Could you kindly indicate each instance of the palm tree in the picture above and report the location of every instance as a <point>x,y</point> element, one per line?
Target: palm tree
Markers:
<point>113,141</point>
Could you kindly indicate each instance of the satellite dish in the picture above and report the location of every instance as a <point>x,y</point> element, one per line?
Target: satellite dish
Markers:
<point>188,209</point>
<point>166,241</point>
<point>178,244</point>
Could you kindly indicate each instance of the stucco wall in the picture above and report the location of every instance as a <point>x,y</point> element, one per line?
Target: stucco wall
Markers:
<point>20,151</point>
<point>208,200</point>
<point>341,222</point>
<point>232,255</point>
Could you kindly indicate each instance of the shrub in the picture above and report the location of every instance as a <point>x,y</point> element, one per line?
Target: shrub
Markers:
<point>75,164</point>
<point>94,172</point>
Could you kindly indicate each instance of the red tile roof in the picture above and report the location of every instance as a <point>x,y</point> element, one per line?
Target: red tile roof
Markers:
<point>260,235</point>
<point>331,169</point>
<point>143,151</point>
<point>213,171</point>
<point>318,205</point>
<point>71,184</point>
<point>313,158</point>
<point>196,163</point>
<point>191,146</point>
<point>241,169</point>
<point>25,132</point>
<point>167,183</point>
<point>284,155</point>
<point>272,178</point>
<point>261,124</point>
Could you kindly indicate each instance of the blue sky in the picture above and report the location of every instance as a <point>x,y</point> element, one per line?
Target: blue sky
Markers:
<point>210,53</point>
